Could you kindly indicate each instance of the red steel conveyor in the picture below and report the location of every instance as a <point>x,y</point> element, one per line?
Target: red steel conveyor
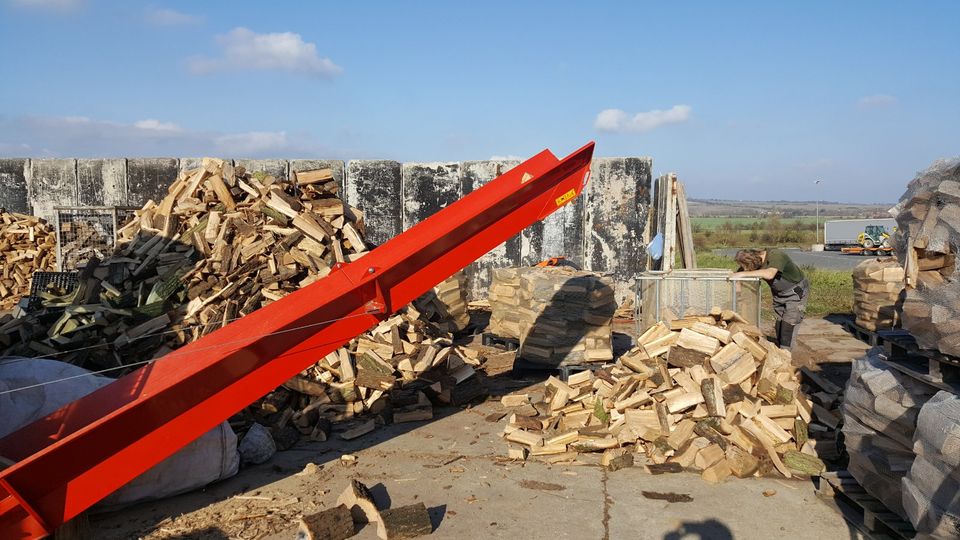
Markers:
<point>76,456</point>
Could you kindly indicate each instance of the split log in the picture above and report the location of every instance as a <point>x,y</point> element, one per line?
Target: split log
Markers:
<point>404,522</point>
<point>359,500</point>
<point>332,524</point>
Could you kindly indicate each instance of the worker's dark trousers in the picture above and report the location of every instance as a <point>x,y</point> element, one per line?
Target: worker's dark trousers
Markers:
<point>789,304</point>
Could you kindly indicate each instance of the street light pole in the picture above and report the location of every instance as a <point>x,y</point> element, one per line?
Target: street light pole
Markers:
<point>817,183</point>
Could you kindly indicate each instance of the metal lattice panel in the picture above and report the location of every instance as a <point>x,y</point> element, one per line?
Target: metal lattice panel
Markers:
<point>87,232</point>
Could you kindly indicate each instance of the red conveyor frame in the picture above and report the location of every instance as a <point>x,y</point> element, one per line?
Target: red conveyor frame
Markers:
<point>78,455</point>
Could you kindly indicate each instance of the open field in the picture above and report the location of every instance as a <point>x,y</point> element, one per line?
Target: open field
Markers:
<point>770,231</point>
<point>786,209</point>
<point>746,222</point>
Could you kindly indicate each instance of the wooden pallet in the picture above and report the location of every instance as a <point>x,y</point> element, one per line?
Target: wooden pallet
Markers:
<point>493,340</point>
<point>862,510</point>
<point>932,367</point>
<point>867,336</point>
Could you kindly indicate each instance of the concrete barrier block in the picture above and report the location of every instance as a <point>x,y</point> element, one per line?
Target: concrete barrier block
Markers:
<point>373,186</point>
<point>102,182</point>
<point>473,175</point>
<point>188,163</point>
<point>53,182</point>
<point>13,184</point>
<point>563,233</point>
<point>428,188</point>
<point>298,165</point>
<point>618,198</point>
<point>277,168</point>
<point>149,179</point>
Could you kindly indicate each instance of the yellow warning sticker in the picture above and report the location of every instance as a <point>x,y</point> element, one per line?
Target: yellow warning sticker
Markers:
<point>566,197</point>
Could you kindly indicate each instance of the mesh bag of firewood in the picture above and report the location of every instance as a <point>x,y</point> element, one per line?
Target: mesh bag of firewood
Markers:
<point>876,289</point>
<point>880,413</point>
<point>27,245</point>
<point>876,461</point>
<point>560,315</point>
<point>884,399</point>
<point>931,489</point>
<point>926,241</point>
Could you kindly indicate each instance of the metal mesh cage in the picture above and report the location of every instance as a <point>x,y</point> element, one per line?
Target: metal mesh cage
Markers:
<point>86,232</point>
<point>672,295</point>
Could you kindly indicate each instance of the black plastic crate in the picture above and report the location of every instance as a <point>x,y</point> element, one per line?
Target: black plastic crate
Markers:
<point>40,281</point>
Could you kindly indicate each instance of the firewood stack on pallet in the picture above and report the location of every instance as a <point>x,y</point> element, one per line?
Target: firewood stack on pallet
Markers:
<point>931,489</point>
<point>222,244</point>
<point>879,418</point>
<point>704,392</point>
<point>877,284</point>
<point>928,233</point>
<point>560,315</point>
<point>27,245</point>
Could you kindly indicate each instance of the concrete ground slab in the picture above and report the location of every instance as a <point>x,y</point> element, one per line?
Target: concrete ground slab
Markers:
<point>736,508</point>
<point>455,465</point>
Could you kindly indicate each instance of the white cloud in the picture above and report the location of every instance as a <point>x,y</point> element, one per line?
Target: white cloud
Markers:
<point>253,142</point>
<point>171,17</point>
<point>246,50</point>
<point>509,157</point>
<point>619,121</point>
<point>156,125</point>
<point>48,5</point>
<point>79,136</point>
<point>876,101</point>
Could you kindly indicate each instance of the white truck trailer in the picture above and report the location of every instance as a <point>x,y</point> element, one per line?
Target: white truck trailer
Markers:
<point>841,233</point>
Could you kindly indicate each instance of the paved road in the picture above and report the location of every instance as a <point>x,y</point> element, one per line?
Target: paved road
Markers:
<point>828,260</point>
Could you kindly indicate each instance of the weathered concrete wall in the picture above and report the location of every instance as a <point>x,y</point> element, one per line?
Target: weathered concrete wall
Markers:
<point>374,186</point>
<point>277,168</point>
<point>427,188</point>
<point>617,202</point>
<point>602,230</point>
<point>102,182</point>
<point>52,182</point>
<point>13,185</point>
<point>474,174</point>
<point>149,178</point>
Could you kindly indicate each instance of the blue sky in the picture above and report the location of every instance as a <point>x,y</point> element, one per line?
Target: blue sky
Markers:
<point>745,100</point>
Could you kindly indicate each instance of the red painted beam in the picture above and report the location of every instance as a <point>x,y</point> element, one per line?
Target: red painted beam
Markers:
<point>81,453</point>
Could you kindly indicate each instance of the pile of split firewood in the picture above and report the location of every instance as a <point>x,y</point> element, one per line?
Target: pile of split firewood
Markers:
<point>27,245</point>
<point>222,244</point>
<point>926,240</point>
<point>705,393</point>
<point>395,373</point>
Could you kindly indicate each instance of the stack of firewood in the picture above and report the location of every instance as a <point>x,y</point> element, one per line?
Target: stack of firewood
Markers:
<point>220,245</point>
<point>224,243</point>
<point>927,237</point>
<point>931,489</point>
<point>705,393</point>
<point>880,412</point>
<point>446,305</point>
<point>877,284</point>
<point>561,316</point>
<point>393,374</point>
<point>27,245</point>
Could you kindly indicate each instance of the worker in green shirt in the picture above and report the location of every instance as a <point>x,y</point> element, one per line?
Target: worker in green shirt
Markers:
<point>787,284</point>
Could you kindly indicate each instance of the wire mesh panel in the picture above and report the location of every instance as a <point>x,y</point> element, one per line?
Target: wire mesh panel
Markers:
<point>673,295</point>
<point>87,232</point>
<point>125,215</point>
